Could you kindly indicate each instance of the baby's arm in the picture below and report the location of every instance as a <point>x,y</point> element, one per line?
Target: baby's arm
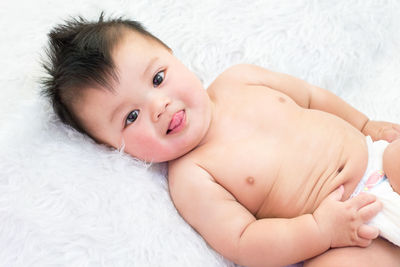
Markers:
<point>235,233</point>
<point>313,97</point>
<point>382,130</point>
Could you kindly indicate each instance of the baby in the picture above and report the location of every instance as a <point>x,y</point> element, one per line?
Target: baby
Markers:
<point>266,167</point>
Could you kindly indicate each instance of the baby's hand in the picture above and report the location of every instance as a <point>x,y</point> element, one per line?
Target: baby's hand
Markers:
<point>382,130</point>
<point>344,222</point>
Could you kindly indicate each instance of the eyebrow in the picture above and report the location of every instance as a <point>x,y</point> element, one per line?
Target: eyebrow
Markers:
<point>151,63</point>
<point>115,112</point>
<point>146,70</point>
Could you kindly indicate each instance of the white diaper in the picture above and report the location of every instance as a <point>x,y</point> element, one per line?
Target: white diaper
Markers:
<point>375,182</point>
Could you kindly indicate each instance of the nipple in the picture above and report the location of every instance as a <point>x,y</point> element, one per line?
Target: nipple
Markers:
<point>250,180</point>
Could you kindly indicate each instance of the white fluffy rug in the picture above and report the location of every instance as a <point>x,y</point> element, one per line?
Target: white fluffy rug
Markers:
<point>65,201</point>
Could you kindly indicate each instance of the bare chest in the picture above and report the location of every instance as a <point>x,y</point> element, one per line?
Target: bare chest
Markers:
<point>277,159</point>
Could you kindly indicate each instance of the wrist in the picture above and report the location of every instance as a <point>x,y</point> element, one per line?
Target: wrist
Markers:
<point>323,234</point>
<point>364,125</point>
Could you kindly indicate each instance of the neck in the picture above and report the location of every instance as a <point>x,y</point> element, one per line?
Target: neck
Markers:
<point>209,132</point>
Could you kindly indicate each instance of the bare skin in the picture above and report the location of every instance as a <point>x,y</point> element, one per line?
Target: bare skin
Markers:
<point>261,164</point>
<point>323,151</point>
<point>260,143</point>
<point>374,255</point>
<point>391,167</point>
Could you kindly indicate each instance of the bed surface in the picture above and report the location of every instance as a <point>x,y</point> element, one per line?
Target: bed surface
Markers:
<point>65,201</point>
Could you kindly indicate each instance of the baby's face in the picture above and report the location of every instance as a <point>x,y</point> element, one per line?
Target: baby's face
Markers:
<point>159,109</point>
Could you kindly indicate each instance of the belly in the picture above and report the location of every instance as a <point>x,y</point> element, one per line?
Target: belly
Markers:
<point>287,172</point>
<point>301,184</point>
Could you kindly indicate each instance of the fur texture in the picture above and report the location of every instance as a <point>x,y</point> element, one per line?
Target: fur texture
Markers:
<point>65,201</point>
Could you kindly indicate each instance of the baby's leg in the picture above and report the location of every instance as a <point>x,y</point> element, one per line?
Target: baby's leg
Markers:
<point>379,253</point>
<point>391,164</point>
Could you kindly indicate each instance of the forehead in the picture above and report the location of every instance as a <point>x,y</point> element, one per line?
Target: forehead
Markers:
<point>136,45</point>
<point>133,52</point>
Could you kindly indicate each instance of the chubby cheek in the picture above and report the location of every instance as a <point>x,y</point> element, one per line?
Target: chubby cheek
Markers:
<point>187,84</point>
<point>145,147</point>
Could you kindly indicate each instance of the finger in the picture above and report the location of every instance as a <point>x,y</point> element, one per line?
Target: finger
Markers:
<point>362,200</point>
<point>370,211</point>
<point>367,232</point>
<point>337,194</point>
<point>390,135</point>
<point>396,127</point>
<point>362,242</point>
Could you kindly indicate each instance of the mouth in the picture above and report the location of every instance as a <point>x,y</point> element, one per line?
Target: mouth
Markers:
<point>177,122</point>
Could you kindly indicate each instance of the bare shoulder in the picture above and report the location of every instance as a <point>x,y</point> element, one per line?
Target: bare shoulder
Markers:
<point>210,209</point>
<point>189,182</point>
<point>179,174</point>
<point>239,72</point>
<point>247,74</point>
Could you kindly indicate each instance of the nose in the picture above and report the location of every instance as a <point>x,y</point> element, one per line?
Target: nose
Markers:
<point>158,106</point>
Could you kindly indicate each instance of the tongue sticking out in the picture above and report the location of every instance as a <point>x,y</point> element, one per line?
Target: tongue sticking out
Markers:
<point>176,120</point>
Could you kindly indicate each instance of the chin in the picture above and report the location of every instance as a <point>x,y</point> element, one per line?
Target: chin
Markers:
<point>177,154</point>
<point>163,158</point>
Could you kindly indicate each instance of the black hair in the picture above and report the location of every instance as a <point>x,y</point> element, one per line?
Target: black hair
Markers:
<point>79,56</point>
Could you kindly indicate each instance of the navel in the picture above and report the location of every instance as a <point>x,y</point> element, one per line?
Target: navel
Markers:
<point>250,180</point>
<point>340,169</point>
<point>281,99</point>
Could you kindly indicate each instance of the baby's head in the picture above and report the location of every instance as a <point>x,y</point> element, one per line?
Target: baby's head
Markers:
<point>122,86</point>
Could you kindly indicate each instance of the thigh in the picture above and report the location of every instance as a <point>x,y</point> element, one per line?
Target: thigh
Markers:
<point>379,253</point>
<point>391,164</point>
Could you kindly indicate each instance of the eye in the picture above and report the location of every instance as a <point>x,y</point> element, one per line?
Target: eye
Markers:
<point>158,78</point>
<point>132,116</point>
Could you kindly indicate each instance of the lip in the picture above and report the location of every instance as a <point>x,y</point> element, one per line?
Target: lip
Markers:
<point>177,123</point>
